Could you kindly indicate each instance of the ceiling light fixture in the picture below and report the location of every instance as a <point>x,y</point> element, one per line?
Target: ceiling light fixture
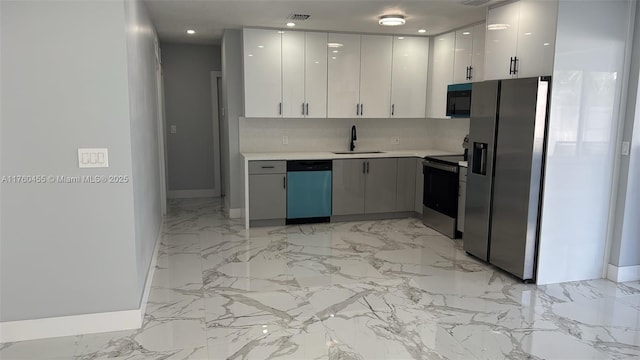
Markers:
<point>392,20</point>
<point>191,32</point>
<point>291,24</point>
<point>422,31</point>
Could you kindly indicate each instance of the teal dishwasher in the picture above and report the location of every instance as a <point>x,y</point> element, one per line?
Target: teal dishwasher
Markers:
<point>308,191</point>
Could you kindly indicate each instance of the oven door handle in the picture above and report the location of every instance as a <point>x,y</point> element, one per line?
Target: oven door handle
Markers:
<point>449,168</point>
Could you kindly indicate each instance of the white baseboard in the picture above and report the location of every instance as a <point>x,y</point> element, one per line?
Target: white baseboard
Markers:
<point>623,273</point>
<point>12,331</point>
<point>186,194</point>
<point>234,213</point>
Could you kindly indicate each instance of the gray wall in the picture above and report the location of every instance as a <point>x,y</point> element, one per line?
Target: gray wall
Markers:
<point>187,89</point>
<point>233,105</point>
<point>625,250</point>
<point>69,249</point>
<point>143,68</point>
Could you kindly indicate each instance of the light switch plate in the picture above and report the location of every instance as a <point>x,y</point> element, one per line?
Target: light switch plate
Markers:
<point>625,148</point>
<point>93,157</point>
<point>173,129</point>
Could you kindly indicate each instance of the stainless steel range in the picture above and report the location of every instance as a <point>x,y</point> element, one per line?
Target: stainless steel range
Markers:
<point>440,196</point>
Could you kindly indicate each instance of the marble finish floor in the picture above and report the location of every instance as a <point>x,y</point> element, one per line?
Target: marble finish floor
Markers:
<point>361,290</point>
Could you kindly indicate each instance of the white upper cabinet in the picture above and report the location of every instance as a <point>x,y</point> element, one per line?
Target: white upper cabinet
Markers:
<point>293,79</point>
<point>409,77</point>
<point>520,39</point>
<point>375,76</point>
<point>477,58</point>
<point>463,55</point>
<point>343,92</point>
<point>442,76</point>
<point>304,74</point>
<point>315,70</point>
<point>536,37</point>
<point>262,73</point>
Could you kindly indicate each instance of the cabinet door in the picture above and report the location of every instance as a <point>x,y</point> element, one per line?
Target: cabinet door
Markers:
<point>380,185</point>
<point>348,187</point>
<point>375,76</point>
<point>267,197</point>
<point>262,73</point>
<point>536,37</point>
<point>343,92</point>
<point>406,184</point>
<point>477,58</point>
<point>293,80</point>
<point>442,74</point>
<point>500,44</point>
<point>463,53</point>
<point>315,86</point>
<point>409,77</point>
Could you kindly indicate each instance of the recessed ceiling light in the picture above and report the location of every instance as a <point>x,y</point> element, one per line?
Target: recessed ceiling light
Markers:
<point>191,32</point>
<point>422,31</point>
<point>392,20</point>
<point>466,33</point>
<point>335,45</point>
<point>291,24</point>
<point>497,26</point>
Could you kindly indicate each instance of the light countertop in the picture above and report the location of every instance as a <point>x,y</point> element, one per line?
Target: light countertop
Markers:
<point>327,155</point>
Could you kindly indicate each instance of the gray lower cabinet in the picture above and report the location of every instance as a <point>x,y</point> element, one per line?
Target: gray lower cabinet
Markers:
<point>267,190</point>
<point>348,186</point>
<point>364,186</point>
<point>462,197</point>
<point>406,184</point>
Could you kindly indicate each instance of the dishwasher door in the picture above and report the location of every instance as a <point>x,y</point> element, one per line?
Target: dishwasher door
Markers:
<point>308,191</point>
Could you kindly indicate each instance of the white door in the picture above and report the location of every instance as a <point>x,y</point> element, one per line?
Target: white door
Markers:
<point>409,77</point>
<point>343,92</point>
<point>293,43</point>
<point>477,59</point>
<point>262,73</point>
<point>315,87</point>
<point>536,37</point>
<point>462,56</point>
<point>442,74</point>
<point>375,76</point>
<point>500,45</point>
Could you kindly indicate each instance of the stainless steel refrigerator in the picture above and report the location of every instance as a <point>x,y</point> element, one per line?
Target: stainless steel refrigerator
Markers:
<point>507,138</point>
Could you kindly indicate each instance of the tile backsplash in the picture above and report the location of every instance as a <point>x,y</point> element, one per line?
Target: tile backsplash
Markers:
<point>266,135</point>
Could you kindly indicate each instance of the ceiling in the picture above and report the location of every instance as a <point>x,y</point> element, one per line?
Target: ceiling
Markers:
<point>210,17</point>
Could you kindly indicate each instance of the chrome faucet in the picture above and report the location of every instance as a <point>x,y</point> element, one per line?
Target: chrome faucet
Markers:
<point>352,146</point>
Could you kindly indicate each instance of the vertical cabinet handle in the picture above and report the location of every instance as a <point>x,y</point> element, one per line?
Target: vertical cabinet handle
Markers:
<point>515,65</point>
<point>307,109</point>
<point>470,73</point>
<point>393,109</point>
<point>367,166</point>
<point>363,167</point>
<point>511,72</point>
<point>302,108</point>
<point>357,109</point>
<point>361,110</point>
<point>279,108</point>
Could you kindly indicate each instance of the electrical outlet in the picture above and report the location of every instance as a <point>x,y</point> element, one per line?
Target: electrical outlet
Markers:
<point>395,140</point>
<point>173,129</point>
<point>285,140</point>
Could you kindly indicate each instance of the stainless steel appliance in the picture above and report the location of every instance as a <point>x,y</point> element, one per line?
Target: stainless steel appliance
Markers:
<point>507,139</point>
<point>440,195</point>
<point>459,100</point>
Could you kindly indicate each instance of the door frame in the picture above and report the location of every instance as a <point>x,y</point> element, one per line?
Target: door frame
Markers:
<point>217,176</point>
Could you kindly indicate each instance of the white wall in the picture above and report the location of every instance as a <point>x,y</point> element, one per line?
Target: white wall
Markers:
<point>585,105</point>
<point>143,67</point>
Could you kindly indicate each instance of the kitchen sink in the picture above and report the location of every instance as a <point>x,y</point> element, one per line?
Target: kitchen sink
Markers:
<point>357,152</point>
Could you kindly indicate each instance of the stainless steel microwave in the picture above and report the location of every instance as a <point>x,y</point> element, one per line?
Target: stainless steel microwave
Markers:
<point>459,100</point>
